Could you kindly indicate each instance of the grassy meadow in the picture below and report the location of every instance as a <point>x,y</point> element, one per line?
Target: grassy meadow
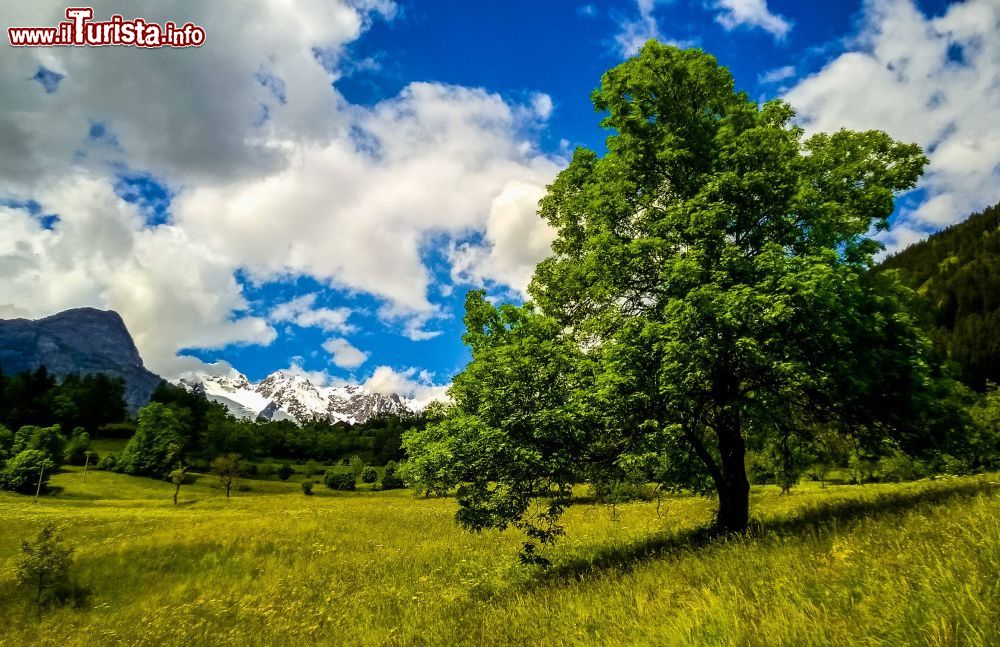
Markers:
<point>913,563</point>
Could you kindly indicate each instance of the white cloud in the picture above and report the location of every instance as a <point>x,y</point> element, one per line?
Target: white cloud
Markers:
<point>275,175</point>
<point>343,354</point>
<point>301,311</point>
<point>777,75</point>
<point>635,31</point>
<point>751,13</point>
<point>934,81</point>
<point>516,239</point>
<point>410,383</point>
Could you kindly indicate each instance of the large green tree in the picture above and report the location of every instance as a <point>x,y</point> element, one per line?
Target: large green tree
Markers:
<point>710,281</point>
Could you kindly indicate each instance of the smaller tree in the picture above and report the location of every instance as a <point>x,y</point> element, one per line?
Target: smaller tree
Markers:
<point>285,471</point>
<point>177,477</point>
<point>310,469</point>
<point>45,562</point>
<point>227,467</point>
<point>307,488</point>
<point>370,475</point>
<point>357,467</point>
<point>23,472</point>
<point>77,447</point>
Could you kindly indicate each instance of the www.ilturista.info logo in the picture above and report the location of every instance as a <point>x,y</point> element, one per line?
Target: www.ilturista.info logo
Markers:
<point>79,30</point>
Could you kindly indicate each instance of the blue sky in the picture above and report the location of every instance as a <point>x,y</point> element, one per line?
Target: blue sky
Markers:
<point>321,198</point>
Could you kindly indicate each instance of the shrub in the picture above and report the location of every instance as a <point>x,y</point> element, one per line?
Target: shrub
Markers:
<point>369,475</point>
<point>307,488</point>
<point>357,467</point>
<point>340,479</point>
<point>107,462</point>
<point>310,469</point>
<point>285,472</point>
<point>77,447</point>
<point>44,567</point>
<point>266,471</point>
<point>22,472</point>
<point>392,482</point>
<point>390,468</point>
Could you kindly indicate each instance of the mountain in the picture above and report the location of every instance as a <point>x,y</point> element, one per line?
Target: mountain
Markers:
<point>957,272</point>
<point>282,395</point>
<point>83,340</point>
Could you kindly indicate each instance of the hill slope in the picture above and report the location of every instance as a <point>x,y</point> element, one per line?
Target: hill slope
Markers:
<point>957,271</point>
<point>82,340</point>
<point>902,564</point>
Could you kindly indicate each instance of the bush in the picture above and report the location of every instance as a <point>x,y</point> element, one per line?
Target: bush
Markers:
<point>392,482</point>
<point>310,469</point>
<point>285,471</point>
<point>108,462</point>
<point>266,471</point>
<point>340,479</point>
<point>22,472</point>
<point>77,447</point>
<point>307,488</point>
<point>44,568</point>
<point>390,468</point>
<point>369,475</point>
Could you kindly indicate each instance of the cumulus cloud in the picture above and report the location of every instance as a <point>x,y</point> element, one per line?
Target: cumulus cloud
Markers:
<point>751,13</point>
<point>411,383</point>
<point>930,80</point>
<point>273,175</point>
<point>343,354</point>
<point>301,311</point>
<point>515,240</point>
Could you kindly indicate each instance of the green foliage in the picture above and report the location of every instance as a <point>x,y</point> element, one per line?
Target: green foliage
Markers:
<point>44,564</point>
<point>108,462</point>
<point>156,447</point>
<point>48,440</point>
<point>6,443</point>
<point>984,443</point>
<point>227,467</point>
<point>340,479</point>
<point>266,471</point>
<point>307,487</point>
<point>310,469</point>
<point>390,468</point>
<point>285,471</point>
<point>392,482</point>
<point>77,447</point>
<point>709,287</point>
<point>21,473</point>
<point>369,475</point>
<point>957,274</point>
<point>36,398</point>
<point>357,467</point>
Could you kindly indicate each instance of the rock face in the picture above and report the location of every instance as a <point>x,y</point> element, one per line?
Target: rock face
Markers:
<point>284,396</point>
<point>83,340</point>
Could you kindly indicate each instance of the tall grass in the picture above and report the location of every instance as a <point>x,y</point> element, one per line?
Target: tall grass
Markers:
<point>915,563</point>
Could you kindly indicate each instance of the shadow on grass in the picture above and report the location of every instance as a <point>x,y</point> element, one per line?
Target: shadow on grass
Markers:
<point>808,520</point>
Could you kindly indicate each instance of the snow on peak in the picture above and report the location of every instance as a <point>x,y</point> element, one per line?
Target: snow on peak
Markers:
<point>286,395</point>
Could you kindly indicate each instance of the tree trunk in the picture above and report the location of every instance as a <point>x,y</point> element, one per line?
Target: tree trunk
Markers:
<point>176,490</point>
<point>733,487</point>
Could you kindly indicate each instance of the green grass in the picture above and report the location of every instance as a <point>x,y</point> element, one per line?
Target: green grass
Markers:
<point>915,563</point>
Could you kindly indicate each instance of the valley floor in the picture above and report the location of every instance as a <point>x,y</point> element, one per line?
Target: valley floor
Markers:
<point>914,563</point>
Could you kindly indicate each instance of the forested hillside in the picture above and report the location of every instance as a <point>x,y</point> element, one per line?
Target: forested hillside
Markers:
<point>958,273</point>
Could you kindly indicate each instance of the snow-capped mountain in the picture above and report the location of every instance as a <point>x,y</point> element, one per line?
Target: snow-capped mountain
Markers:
<point>282,396</point>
